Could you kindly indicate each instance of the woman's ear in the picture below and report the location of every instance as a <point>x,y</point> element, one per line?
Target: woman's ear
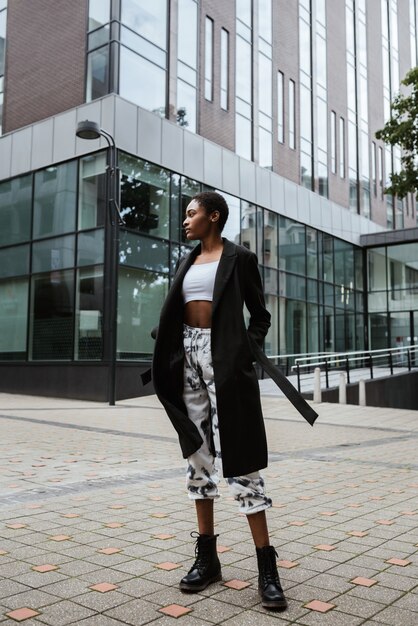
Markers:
<point>214,216</point>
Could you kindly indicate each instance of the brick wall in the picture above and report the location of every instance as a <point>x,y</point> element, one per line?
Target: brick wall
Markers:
<point>45,59</point>
<point>286,59</point>
<point>215,123</point>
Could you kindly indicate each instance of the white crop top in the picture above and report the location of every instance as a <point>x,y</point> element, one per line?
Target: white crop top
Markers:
<point>199,281</point>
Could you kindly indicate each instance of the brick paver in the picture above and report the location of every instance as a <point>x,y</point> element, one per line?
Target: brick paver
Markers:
<point>95,525</point>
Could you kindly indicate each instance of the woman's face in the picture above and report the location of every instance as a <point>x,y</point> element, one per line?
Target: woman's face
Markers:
<point>197,223</point>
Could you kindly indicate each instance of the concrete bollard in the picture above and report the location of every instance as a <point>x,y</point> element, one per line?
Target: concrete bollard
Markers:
<point>342,396</point>
<point>362,392</point>
<point>317,394</point>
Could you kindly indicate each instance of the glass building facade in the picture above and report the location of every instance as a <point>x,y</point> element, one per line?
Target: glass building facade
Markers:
<point>279,103</point>
<point>52,264</point>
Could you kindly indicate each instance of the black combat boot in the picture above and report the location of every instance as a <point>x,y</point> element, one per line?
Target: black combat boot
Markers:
<point>269,587</point>
<point>206,569</point>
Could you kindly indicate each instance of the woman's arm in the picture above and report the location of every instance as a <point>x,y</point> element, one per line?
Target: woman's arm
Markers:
<point>255,303</point>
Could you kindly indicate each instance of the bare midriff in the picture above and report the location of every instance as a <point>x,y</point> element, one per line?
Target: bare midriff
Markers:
<point>198,313</point>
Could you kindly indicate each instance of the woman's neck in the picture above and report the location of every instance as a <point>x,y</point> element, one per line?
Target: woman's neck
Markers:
<point>211,245</point>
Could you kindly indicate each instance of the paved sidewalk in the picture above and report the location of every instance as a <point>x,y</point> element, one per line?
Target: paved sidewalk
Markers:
<point>95,525</point>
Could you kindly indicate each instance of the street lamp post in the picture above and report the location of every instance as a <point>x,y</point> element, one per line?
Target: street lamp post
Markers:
<point>91,130</point>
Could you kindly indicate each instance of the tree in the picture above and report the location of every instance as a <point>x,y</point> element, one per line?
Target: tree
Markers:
<point>402,130</point>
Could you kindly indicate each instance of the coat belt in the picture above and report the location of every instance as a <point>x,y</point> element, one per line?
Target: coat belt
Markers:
<point>283,383</point>
<point>276,375</point>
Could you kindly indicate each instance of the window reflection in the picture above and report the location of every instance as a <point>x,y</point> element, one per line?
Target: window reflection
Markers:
<point>52,316</point>
<point>92,191</point>
<point>97,74</point>
<point>13,318</point>
<point>142,82</point>
<point>89,314</point>
<point>15,210</point>
<point>99,13</point>
<point>144,196</point>
<point>291,246</point>
<point>140,297</point>
<point>149,19</point>
<point>55,200</point>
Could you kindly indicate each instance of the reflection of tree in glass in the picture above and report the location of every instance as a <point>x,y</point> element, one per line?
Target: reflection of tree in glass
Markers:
<point>144,192</point>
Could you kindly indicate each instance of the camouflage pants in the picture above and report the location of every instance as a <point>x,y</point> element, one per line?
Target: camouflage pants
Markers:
<point>199,395</point>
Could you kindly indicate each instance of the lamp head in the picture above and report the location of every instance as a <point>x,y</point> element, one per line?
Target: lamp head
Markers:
<point>88,130</point>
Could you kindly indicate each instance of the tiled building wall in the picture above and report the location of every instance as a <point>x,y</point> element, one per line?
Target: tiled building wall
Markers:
<point>45,59</point>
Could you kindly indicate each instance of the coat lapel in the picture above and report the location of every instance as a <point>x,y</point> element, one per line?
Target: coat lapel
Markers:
<point>225,268</point>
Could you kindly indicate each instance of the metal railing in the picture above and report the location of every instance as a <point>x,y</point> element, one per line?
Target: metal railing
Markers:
<point>404,357</point>
<point>286,361</point>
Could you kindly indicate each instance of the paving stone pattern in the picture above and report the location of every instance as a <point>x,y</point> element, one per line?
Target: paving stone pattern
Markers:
<point>95,523</point>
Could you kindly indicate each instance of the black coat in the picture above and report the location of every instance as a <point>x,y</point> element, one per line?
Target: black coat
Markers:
<point>234,348</point>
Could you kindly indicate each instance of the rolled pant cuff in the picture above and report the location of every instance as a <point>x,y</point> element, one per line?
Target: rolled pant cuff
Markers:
<point>256,508</point>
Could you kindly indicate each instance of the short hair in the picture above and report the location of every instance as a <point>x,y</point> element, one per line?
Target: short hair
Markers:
<point>212,201</point>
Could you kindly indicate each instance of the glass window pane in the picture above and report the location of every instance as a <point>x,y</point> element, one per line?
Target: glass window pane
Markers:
<point>344,263</point>
<point>244,11</point>
<point>265,85</point>
<point>295,320</point>
<point>53,254</point>
<point>313,328</point>
<point>90,248</point>
<point>292,115</point>
<point>99,13</point>
<point>265,141</point>
<point>140,297</point>
<point>186,106</point>
<point>97,73</point>
<point>280,107</point>
<point>270,247</point>
<point>144,47</point>
<point>328,257</point>
<point>52,316</point>
<point>189,188</point>
<point>149,91</point>
<point>271,342</point>
<point>249,226</point>
<point>143,252</point>
<point>89,314</point>
<point>232,227</point>
<point>224,68</point>
<point>99,37</point>
<point>243,137</point>
<point>265,19</point>
<point>292,246</point>
<point>15,210</point>
<point>3,16</point>
<point>208,59</point>
<point>175,214</point>
<point>149,19</point>
<point>243,87</point>
<point>13,318</point>
<point>187,32</point>
<point>144,196</point>
<point>92,191</point>
<point>55,200</point>
<point>14,261</point>
<point>312,252</point>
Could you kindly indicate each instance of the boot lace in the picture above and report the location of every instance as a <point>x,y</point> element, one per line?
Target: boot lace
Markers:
<point>201,551</point>
<point>269,574</point>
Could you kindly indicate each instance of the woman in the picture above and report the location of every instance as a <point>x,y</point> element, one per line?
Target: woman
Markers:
<point>204,377</point>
